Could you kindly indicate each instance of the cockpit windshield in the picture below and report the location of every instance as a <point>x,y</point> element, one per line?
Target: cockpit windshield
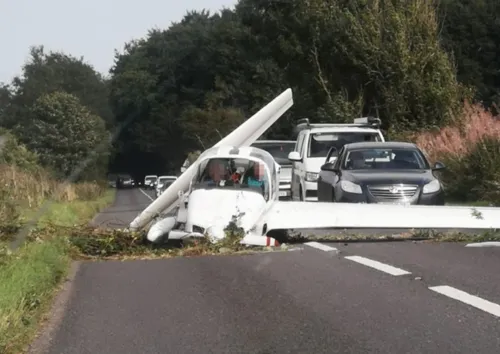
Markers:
<point>232,173</point>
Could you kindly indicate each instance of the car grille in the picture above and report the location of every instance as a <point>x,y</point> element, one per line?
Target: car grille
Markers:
<point>392,193</point>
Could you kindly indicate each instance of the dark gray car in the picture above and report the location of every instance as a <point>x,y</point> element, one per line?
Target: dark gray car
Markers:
<point>380,172</point>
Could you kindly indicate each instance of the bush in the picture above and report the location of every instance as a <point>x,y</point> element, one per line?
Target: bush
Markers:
<point>67,136</point>
<point>470,148</point>
<point>16,154</point>
<point>9,216</point>
<point>475,176</point>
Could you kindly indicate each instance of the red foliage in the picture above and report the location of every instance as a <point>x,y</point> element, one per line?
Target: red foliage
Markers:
<point>457,140</point>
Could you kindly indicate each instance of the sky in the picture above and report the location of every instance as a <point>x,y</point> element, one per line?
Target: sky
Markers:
<point>89,28</point>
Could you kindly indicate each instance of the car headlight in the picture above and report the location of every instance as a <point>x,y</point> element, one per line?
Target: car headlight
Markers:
<point>432,187</point>
<point>350,187</point>
<point>311,176</point>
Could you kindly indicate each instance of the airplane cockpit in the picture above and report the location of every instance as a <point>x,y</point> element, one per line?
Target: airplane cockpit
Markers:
<point>242,172</point>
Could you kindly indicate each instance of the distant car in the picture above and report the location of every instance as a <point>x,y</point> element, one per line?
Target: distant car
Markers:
<point>380,172</point>
<point>280,149</point>
<point>163,188</point>
<point>124,181</point>
<point>160,182</point>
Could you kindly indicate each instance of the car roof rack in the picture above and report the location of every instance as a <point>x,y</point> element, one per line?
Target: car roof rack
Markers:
<point>371,122</point>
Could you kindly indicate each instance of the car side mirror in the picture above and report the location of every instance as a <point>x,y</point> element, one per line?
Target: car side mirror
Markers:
<point>183,169</point>
<point>438,166</point>
<point>329,167</point>
<point>294,156</point>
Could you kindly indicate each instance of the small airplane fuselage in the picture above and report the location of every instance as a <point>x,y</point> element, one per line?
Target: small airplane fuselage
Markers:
<point>231,185</point>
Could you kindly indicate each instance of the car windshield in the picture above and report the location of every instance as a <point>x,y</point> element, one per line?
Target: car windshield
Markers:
<point>228,173</point>
<point>385,159</point>
<point>278,150</point>
<point>320,143</point>
<point>150,178</point>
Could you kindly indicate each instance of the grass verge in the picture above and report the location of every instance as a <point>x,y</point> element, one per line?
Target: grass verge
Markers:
<point>30,275</point>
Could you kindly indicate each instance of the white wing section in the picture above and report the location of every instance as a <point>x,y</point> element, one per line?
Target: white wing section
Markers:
<point>309,215</point>
<point>244,135</point>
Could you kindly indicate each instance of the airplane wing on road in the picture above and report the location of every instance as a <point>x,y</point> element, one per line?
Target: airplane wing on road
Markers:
<point>310,215</point>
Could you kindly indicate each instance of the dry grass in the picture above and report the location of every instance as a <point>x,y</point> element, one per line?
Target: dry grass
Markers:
<point>459,139</point>
<point>31,189</point>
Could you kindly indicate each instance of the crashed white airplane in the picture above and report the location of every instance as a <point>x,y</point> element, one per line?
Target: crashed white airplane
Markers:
<point>233,179</point>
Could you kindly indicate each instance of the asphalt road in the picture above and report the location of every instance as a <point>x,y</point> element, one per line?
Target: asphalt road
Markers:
<point>314,299</point>
<point>128,204</point>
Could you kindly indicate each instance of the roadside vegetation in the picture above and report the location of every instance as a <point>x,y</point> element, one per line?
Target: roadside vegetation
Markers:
<point>470,148</point>
<point>54,153</point>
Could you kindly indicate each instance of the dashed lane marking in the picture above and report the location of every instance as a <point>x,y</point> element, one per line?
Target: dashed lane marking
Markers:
<point>321,246</point>
<point>147,195</point>
<point>378,265</point>
<point>468,299</point>
<point>451,292</point>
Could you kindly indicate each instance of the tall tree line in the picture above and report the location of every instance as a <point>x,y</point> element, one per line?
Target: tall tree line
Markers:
<point>174,91</point>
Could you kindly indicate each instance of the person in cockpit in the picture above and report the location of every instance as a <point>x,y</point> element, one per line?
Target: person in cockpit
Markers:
<point>255,175</point>
<point>216,172</point>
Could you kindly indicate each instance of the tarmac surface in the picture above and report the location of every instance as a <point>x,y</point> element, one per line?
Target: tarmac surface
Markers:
<point>400,297</point>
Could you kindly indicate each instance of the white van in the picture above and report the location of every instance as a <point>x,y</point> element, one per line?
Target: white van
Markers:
<point>312,145</point>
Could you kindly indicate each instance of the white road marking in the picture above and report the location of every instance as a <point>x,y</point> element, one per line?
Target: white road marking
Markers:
<point>468,299</point>
<point>147,195</point>
<point>484,244</point>
<point>321,246</point>
<point>378,265</point>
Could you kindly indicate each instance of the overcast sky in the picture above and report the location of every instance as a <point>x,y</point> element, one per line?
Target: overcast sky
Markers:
<point>89,28</point>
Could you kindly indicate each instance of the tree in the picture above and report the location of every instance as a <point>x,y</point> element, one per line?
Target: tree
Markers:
<point>206,63</point>
<point>361,57</point>
<point>67,137</point>
<point>5,102</point>
<point>470,31</point>
<point>46,73</point>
